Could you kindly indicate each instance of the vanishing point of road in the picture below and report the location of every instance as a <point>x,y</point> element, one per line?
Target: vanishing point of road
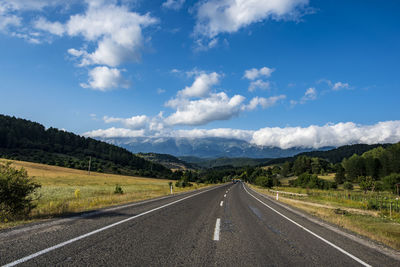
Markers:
<point>227,225</point>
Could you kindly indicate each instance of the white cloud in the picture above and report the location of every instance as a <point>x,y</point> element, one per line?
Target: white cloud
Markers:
<point>217,106</point>
<point>173,4</point>
<point>55,28</point>
<point>259,84</point>
<point>339,85</point>
<point>328,135</point>
<point>310,94</point>
<point>228,16</point>
<point>7,20</point>
<point>254,73</point>
<point>114,132</point>
<point>135,122</point>
<point>201,85</point>
<point>160,91</point>
<point>219,132</point>
<point>104,79</point>
<point>263,102</point>
<point>116,30</point>
<point>335,86</point>
<point>313,136</point>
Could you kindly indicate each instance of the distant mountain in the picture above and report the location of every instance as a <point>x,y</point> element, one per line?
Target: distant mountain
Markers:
<point>203,147</point>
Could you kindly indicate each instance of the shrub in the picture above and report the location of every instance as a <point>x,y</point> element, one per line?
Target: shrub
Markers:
<point>348,186</point>
<point>118,189</point>
<point>16,192</point>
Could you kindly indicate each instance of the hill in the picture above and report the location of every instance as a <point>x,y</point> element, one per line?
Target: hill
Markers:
<point>168,161</point>
<point>218,162</point>
<point>25,140</point>
<point>335,155</point>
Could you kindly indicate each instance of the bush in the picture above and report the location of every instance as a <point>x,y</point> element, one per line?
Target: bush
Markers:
<point>348,186</point>
<point>118,189</point>
<point>16,192</point>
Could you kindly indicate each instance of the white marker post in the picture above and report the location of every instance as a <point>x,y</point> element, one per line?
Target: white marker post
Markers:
<point>171,190</point>
<point>277,195</point>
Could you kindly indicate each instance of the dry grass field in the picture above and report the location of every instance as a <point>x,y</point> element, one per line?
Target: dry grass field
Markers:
<point>67,190</point>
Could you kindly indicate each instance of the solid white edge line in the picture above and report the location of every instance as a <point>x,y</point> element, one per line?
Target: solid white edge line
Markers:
<point>44,251</point>
<point>309,231</point>
<point>222,203</point>
<point>217,229</point>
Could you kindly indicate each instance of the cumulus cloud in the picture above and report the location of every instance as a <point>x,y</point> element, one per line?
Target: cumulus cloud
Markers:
<point>201,85</point>
<point>313,136</point>
<point>254,73</point>
<point>116,30</point>
<point>112,34</point>
<point>7,20</point>
<point>259,84</point>
<point>114,132</point>
<point>228,16</point>
<point>339,85</point>
<point>217,106</point>
<point>135,122</point>
<point>219,132</point>
<point>55,28</point>
<point>335,86</point>
<point>104,79</point>
<point>173,4</point>
<point>263,102</point>
<point>328,135</point>
<point>310,94</point>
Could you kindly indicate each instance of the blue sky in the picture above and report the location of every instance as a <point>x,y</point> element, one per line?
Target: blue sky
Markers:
<point>276,73</point>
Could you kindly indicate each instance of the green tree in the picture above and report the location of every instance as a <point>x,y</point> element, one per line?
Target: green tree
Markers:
<point>286,168</point>
<point>340,174</point>
<point>355,167</point>
<point>366,183</point>
<point>16,192</point>
<point>390,181</point>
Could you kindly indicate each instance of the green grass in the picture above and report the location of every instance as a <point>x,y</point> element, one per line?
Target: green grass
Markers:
<point>57,194</point>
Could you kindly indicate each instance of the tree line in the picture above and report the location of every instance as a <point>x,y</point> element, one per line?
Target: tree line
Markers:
<point>30,141</point>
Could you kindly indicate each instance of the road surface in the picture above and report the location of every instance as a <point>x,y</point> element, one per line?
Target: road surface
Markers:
<point>229,225</point>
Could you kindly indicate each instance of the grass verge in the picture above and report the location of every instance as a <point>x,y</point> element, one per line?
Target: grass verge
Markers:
<point>372,224</point>
<point>67,190</point>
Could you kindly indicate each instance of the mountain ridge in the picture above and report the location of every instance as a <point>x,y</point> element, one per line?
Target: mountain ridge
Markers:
<point>210,147</point>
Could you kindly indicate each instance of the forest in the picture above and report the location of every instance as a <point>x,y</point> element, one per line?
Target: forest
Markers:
<point>29,141</point>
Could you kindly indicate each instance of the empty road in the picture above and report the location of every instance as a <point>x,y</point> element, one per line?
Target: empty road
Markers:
<point>228,225</point>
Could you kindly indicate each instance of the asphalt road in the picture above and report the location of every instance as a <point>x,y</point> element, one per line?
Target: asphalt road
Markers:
<point>183,231</point>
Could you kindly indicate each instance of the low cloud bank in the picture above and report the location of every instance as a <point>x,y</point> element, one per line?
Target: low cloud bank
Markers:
<point>311,137</point>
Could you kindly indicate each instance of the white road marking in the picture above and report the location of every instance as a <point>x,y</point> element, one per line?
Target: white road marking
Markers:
<point>217,229</point>
<point>226,191</point>
<point>222,203</point>
<point>225,195</point>
<point>44,251</point>
<point>309,231</point>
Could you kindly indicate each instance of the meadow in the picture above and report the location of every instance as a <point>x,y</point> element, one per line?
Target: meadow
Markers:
<point>67,190</point>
